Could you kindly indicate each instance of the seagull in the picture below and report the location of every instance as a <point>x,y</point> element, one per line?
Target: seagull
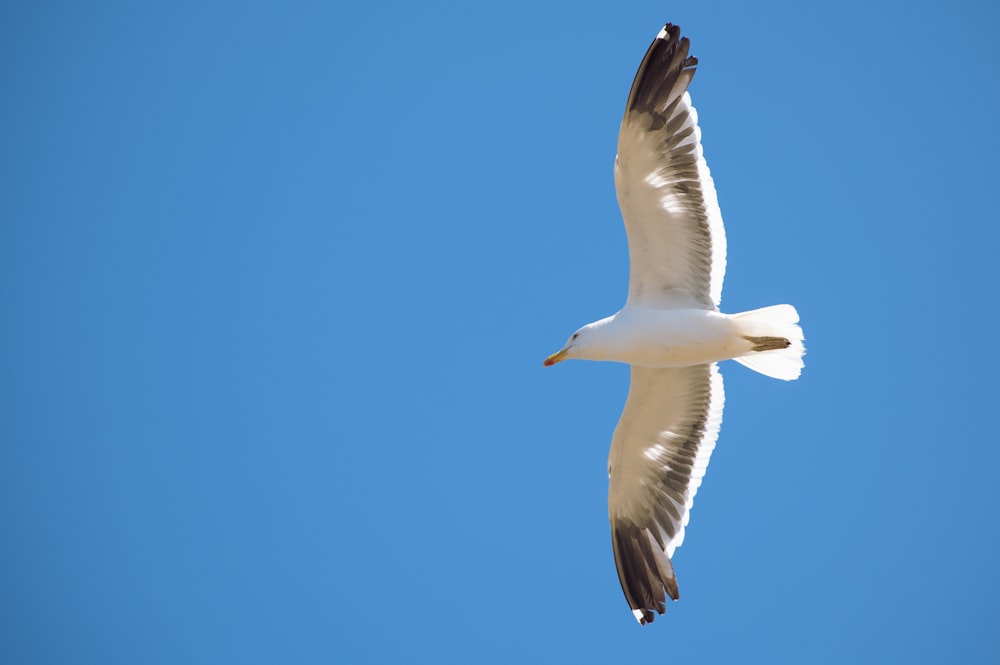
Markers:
<point>670,330</point>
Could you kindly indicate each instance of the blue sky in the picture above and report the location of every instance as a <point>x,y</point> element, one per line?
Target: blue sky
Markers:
<point>278,278</point>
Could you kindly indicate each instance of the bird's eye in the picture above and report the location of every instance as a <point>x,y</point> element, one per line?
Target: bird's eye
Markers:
<point>575,335</point>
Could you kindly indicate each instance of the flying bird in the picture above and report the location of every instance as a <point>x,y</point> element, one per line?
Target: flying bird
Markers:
<point>670,330</point>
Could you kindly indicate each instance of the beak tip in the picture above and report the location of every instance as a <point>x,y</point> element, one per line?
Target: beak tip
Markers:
<point>554,358</point>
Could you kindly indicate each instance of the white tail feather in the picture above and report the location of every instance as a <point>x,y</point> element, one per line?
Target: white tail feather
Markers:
<point>775,321</point>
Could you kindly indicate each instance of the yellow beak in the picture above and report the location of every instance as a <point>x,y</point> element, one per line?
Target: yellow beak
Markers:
<point>554,358</point>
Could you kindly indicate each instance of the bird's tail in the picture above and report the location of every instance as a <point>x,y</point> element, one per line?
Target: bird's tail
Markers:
<point>775,340</point>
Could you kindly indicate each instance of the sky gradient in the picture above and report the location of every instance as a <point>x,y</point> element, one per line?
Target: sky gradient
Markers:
<point>277,281</point>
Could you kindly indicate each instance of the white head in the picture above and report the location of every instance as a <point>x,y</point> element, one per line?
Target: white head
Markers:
<point>587,343</point>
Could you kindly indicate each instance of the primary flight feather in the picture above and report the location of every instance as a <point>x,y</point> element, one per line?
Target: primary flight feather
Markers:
<point>670,330</point>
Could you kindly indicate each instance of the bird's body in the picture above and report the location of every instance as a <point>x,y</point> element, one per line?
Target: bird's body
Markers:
<point>655,337</point>
<point>670,330</point>
<point>684,336</point>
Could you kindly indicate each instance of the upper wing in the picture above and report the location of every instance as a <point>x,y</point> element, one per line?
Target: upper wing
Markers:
<point>676,241</point>
<point>659,454</point>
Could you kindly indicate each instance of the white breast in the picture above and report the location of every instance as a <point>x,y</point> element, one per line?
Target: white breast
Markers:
<point>673,337</point>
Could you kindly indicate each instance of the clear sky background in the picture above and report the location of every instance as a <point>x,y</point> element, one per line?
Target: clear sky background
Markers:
<point>277,280</point>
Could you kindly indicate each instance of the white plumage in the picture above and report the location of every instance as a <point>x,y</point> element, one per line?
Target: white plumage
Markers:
<point>670,330</point>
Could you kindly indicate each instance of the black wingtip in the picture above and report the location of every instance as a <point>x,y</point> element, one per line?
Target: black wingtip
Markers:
<point>644,571</point>
<point>664,74</point>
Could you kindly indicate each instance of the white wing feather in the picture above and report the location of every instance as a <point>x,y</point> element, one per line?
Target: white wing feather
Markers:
<point>677,243</point>
<point>659,454</point>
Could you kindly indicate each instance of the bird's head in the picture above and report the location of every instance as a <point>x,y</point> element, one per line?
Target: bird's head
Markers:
<point>575,347</point>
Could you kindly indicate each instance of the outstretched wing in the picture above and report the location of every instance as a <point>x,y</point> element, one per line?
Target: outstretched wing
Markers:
<point>677,244</point>
<point>659,454</point>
